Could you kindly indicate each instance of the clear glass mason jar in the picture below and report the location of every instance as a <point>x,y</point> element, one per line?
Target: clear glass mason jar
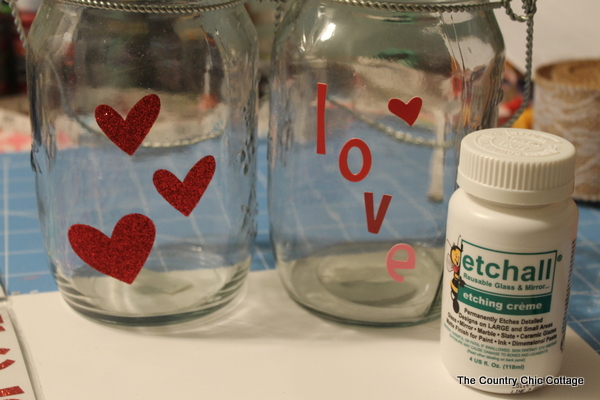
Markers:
<point>144,122</point>
<point>369,101</point>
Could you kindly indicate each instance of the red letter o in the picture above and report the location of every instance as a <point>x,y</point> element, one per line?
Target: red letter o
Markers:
<point>367,160</point>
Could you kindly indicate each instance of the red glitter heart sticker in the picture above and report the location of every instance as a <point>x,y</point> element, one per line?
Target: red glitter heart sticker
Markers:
<point>184,196</point>
<point>11,391</point>
<point>407,111</point>
<point>129,133</point>
<point>121,256</point>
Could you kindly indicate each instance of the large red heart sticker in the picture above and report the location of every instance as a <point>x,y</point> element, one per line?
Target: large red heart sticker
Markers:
<point>184,196</point>
<point>129,133</point>
<point>121,256</point>
<point>409,112</point>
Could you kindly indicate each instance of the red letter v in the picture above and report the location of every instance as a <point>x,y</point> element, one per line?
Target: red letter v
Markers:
<point>374,223</point>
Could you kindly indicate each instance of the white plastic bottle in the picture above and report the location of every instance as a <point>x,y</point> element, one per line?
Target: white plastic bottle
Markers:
<point>510,245</point>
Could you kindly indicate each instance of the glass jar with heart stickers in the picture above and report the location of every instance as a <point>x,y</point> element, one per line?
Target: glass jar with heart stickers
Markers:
<point>369,101</point>
<point>144,123</point>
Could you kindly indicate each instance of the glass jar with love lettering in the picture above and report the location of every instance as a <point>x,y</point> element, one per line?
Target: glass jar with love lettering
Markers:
<point>369,101</point>
<point>144,123</point>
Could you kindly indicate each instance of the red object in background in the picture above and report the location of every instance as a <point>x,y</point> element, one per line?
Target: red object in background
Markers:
<point>508,109</point>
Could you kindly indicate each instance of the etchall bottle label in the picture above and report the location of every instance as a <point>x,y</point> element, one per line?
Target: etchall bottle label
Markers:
<point>505,309</point>
<point>502,282</point>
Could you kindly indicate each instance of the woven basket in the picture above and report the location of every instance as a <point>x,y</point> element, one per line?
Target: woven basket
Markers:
<point>567,103</point>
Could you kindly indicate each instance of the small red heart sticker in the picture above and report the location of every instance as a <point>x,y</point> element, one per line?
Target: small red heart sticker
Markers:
<point>129,133</point>
<point>408,112</point>
<point>121,256</point>
<point>184,196</point>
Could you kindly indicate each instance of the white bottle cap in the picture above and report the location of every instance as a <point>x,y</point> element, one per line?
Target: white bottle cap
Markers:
<point>516,166</point>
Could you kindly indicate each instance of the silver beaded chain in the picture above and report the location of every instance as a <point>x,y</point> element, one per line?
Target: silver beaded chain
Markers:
<point>530,8</point>
<point>130,7</point>
<point>156,8</point>
<point>420,7</point>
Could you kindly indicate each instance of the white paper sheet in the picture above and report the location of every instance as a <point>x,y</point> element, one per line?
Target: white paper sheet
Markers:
<point>266,348</point>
